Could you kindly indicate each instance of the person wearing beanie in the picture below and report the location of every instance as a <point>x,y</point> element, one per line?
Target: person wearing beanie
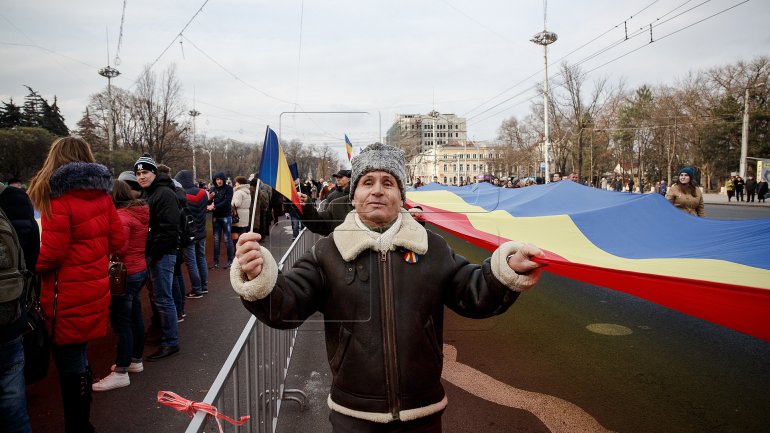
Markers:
<point>161,249</point>
<point>324,222</point>
<point>220,199</point>
<point>383,317</point>
<point>685,194</point>
<point>130,178</point>
<point>145,162</point>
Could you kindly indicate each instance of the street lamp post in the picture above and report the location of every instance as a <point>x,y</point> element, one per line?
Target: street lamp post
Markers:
<point>545,38</point>
<point>110,73</point>
<point>194,113</point>
<point>745,130</point>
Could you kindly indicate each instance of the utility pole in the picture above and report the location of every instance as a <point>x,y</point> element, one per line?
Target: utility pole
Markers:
<point>745,130</point>
<point>545,38</point>
<point>194,113</point>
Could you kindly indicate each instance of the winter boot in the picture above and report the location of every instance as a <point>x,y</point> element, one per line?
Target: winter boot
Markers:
<point>76,396</point>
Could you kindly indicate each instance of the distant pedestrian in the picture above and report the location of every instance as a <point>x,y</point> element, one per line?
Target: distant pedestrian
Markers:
<point>739,184</point>
<point>221,201</point>
<point>241,206</point>
<point>751,189</point>
<point>195,252</point>
<point>685,194</point>
<point>663,187</point>
<point>631,184</point>
<point>762,190</point>
<point>730,188</point>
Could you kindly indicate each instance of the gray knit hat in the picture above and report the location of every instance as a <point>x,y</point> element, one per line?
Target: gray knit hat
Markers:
<point>145,162</point>
<point>379,157</point>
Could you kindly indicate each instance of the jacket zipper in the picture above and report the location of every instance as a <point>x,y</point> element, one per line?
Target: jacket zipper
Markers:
<point>389,334</point>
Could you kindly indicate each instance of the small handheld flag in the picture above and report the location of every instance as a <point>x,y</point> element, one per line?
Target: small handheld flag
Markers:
<point>348,147</point>
<point>274,170</point>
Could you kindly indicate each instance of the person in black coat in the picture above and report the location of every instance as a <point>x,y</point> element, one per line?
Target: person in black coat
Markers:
<point>13,411</point>
<point>195,252</point>
<point>220,199</point>
<point>162,241</point>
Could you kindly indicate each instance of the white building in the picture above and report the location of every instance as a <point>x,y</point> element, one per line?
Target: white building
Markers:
<point>433,128</point>
<point>456,163</point>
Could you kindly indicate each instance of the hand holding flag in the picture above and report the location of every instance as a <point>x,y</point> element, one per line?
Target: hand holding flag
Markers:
<point>274,171</point>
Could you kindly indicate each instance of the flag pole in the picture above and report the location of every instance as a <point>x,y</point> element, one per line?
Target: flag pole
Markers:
<point>254,206</point>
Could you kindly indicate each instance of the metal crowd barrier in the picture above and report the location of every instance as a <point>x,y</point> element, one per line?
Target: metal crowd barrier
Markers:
<point>251,381</point>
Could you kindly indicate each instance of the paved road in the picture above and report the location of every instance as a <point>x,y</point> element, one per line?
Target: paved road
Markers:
<point>672,373</point>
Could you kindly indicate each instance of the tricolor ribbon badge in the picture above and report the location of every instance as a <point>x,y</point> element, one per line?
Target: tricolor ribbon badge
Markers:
<point>410,257</point>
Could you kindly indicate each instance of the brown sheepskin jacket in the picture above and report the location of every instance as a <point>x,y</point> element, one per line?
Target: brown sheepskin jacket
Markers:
<point>383,312</point>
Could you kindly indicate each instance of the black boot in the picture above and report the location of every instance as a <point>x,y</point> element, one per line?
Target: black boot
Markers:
<point>76,396</point>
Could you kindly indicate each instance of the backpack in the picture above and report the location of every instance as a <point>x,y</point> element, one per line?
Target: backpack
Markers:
<point>187,227</point>
<point>15,279</point>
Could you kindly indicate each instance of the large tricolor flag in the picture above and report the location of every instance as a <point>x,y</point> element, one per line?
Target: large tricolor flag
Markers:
<point>274,170</point>
<point>348,147</point>
<point>716,270</point>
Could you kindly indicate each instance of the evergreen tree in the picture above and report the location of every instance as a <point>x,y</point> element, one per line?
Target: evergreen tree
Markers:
<point>52,119</point>
<point>10,115</point>
<point>87,129</point>
<point>32,112</point>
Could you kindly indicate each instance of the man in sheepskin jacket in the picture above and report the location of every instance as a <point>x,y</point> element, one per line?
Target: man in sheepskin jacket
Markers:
<point>383,317</point>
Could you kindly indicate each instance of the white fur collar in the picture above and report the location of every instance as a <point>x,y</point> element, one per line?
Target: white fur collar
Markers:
<point>350,242</point>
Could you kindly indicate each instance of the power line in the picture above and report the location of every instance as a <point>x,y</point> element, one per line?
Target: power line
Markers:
<point>232,74</point>
<point>180,34</point>
<point>614,44</point>
<point>590,56</point>
<point>558,60</point>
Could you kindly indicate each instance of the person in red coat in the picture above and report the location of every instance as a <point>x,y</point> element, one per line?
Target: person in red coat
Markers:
<point>80,228</point>
<point>126,309</point>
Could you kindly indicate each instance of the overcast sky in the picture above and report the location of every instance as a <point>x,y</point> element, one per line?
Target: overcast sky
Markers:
<point>247,61</point>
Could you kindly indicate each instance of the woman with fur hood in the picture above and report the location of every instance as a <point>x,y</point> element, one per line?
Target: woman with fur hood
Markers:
<point>80,228</point>
<point>383,318</point>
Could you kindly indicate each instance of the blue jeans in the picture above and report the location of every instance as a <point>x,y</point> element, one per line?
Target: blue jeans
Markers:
<point>162,275</point>
<point>296,224</point>
<point>177,286</point>
<point>222,228</point>
<point>195,257</point>
<point>127,321</point>
<point>13,397</point>
<point>70,358</point>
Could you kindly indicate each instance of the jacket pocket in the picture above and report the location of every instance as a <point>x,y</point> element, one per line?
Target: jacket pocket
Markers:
<point>342,346</point>
<point>430,333</point>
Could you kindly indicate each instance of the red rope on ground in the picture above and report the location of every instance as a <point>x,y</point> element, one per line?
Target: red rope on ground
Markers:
<point>168,398</point>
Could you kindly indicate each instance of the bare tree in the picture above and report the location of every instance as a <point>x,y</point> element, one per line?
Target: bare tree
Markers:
<point>160,115</point>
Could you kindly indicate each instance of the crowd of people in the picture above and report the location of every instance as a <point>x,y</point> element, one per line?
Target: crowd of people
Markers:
<point>154,224</point>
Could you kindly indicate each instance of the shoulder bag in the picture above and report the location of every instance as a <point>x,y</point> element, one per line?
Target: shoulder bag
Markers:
<point>118,274</point>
